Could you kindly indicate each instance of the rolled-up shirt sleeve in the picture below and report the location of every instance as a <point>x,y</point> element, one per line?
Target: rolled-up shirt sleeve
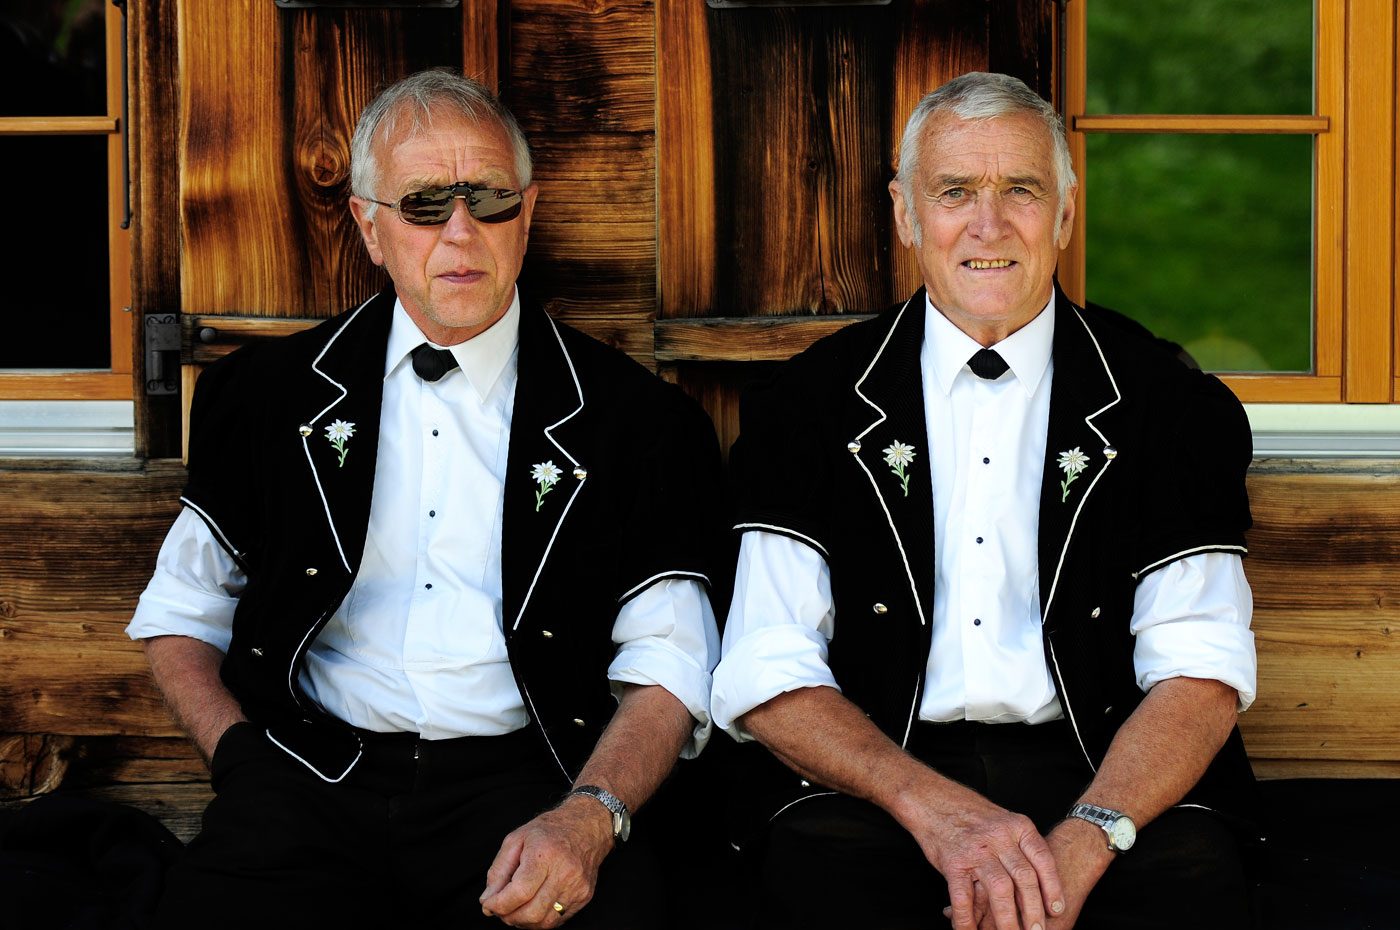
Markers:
<point>194,590</point>
<point>667,636</point>
<point>780,622</point>
<point>1191,619</point>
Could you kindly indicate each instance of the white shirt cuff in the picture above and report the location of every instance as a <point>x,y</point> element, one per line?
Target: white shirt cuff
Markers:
<point>1191,619</point>
<point>661,633</point>
<point>194,590</point>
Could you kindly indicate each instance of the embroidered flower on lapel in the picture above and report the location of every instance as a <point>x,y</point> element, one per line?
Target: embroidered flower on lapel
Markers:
<point>1072,462</point>
<point>898,455</point>
<point>339,434</point>
<point>546,474</point>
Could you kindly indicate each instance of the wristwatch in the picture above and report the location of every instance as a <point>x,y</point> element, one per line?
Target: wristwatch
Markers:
<point>622,819</point>
<point>1121,831</point>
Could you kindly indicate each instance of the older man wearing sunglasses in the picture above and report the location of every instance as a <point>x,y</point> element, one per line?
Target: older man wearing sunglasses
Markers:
<point>442,567</point>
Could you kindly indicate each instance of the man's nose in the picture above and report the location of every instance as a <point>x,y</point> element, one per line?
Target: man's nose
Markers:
<point>988,217</point>
<point>461,224</point>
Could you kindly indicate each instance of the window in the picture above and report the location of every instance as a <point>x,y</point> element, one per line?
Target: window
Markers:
<point>1237,185</point>
<point>67,329</point>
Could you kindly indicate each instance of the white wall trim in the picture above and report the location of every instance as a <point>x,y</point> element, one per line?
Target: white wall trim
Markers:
<point>1325,430</point>
<point>63,428</point>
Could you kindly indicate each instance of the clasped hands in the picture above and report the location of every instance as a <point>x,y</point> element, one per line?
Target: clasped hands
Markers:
<point>1001,873</point>
<point>547,869</point>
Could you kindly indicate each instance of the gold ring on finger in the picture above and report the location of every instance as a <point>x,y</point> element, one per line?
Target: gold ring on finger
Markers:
<point>558,908</point>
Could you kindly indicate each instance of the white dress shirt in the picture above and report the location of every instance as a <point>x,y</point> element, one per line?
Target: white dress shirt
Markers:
<point>417,644</point>
<point>984,453</point>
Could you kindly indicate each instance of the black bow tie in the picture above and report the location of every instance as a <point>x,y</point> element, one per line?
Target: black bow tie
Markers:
<point>431,364</point>
<point>986,363</point>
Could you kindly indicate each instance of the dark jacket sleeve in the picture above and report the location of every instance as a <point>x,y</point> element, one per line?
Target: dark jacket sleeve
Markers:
<point>1196,499</point>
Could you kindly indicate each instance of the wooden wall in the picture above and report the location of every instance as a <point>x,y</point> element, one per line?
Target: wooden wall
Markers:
<point>712,200</point>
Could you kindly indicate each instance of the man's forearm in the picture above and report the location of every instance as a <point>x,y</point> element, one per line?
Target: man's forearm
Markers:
<point>1157,756</point>
<point>187,672</point>
<point>640,746</point>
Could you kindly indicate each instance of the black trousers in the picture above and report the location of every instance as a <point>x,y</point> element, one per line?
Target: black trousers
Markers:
<point>836,861</point>
<point>404,840</point>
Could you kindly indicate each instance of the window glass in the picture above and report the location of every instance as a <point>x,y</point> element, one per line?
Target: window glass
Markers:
<point>57,292</point>
<point>1207,241</point>
<point>53,57</point>
<point>1200,56</point>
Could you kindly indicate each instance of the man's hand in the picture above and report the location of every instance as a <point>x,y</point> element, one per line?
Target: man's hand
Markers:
<point>1001,873</point>
<point>553,858</point>
<point>1082,853</point>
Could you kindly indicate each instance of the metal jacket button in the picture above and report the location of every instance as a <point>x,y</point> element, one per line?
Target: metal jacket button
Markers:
<point>578,722</point>
<point>256,651</point>
<point>853,447</point>
<point>1110,453</point>
<point>304,430</point>
<point>310,571</point>
<point>1094,612</point>
<point>580,473</point>
<point>546,634</point>
<point>881,609</point>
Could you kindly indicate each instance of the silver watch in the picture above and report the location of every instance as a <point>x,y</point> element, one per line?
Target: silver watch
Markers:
<point>622,819</point>
<point>1119,827</point>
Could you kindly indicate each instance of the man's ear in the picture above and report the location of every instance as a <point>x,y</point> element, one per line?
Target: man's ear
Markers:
<point>903,222</point>
<point>359,209</point>
<point>527,206</point>
<point>1067,217</point>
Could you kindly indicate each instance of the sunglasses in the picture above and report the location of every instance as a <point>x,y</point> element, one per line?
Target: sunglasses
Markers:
<point>433,206</point>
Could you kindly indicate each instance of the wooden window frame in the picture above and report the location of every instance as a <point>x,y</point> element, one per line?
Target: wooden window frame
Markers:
<point>1355,199</point>
<point>115,383</point>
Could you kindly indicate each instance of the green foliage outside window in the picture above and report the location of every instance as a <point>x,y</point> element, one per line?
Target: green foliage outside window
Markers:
<point>1205,239</point>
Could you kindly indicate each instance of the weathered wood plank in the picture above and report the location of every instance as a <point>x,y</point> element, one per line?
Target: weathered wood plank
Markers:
<point>686,237</point>
<point>1326,613</point>
<point>745,339</point>
<point>583,65</point>
<point>155,232</point>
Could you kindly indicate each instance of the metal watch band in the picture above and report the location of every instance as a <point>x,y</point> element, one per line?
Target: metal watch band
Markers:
<point>622,819</point>
<point>1117,826</point>
<point>1098,816</point>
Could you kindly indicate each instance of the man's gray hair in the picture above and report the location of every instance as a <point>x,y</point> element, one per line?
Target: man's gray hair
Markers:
<point>979,95</point>
<point>417,97</point>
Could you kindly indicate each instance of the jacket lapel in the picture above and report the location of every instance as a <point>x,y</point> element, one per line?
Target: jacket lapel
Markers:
<point>888,426</point>
<point>544,472</point>
<point>1078,443</point>
<point>340,422</point>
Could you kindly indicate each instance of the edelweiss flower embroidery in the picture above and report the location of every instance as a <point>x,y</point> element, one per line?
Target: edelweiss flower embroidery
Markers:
<point>897,456</point>
<point>1072,463</point>
<point>546,474</point>
<point>339,434</point>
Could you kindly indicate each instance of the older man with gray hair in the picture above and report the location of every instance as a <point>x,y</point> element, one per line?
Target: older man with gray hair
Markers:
<point>990,620</point>
<point>436,608</point>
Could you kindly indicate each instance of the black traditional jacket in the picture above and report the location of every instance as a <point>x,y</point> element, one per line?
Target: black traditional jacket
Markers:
<point>1167,448</point>
<point>637,502</point>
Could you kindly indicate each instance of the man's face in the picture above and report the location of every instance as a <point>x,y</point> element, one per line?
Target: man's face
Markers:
<point>992,229</point>
<point>456,279</point>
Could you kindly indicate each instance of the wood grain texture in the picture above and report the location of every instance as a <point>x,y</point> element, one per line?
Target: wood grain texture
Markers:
<point>788,150</point>
<point>686,232</point>
<point>76,549</point>
<point>744,339</point>
<point>583,65</point>
<point>153,100</point>
<point>1326,612</point>
<point>593,235</point>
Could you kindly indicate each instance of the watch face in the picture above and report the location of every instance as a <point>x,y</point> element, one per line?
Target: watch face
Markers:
<point>1123,834</point>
